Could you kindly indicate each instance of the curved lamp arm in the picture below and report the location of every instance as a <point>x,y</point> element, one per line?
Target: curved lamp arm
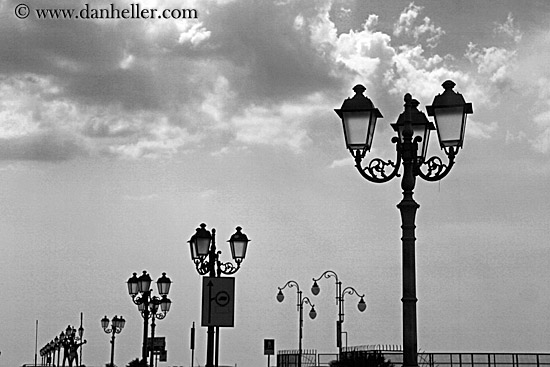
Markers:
<point>361,306</point>
<point>202,266</point>
<point>327,274</point>
<point>228,268</point>
<point>290,284</point>
<point>435,168</point>
<point>351,290</point>
<point>306,300</point>
<point>375,171</point>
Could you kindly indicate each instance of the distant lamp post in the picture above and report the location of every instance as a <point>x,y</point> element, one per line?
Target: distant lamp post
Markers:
<point>206,258</point>
<point>148,305</point>
<point>45,353</point>
<point>300,306</point>
<point>53,348</point>
<point>117,324</point>
<point>58,344</point>
<point>361,306</point>
<point>358,116</point>
<point>71,342</point>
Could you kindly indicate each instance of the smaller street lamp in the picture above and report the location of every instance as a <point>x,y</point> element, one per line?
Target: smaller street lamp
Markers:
<point>340,294</point>
<point>300,306</point>
<point>57,345</point>
<point>206,258</point>
<point>71,342</point>
<point>117,324</point>
<point>139,288</point>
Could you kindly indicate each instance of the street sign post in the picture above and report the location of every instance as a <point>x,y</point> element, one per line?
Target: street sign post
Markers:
<point>269,349</point>
<point>218,301</point>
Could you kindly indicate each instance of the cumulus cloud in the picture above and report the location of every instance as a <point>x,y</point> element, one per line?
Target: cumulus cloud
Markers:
<point>409,24</point>
<point>256,72</point>
<point>495,62</point>
<point>509,29</point>
<point>541,142</point>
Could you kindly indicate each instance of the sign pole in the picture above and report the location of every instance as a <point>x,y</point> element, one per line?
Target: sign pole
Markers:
<point>192,343</point>
<point>217,345</point>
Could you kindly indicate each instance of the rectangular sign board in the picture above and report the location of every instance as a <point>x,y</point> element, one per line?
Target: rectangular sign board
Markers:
<point>218,301</point>
<point>269,347</point>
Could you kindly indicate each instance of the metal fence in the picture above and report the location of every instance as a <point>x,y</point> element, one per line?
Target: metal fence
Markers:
<point>289,358</point>
<point>310,358</point>
<point>426,359</point>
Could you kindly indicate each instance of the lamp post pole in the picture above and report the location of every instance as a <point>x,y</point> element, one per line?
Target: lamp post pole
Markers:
<point>139,290</point>
<point>315,289</point>
<point>359,115</point>
<point>300,306</point>
<point>70,342</point>
<point>207,262</point>
<point>117,324</point>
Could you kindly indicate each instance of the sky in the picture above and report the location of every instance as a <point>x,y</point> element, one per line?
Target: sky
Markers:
<point>118,137</point>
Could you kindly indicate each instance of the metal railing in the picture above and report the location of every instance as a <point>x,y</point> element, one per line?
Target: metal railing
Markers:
<point>289,358</point>
<point>452,359</point>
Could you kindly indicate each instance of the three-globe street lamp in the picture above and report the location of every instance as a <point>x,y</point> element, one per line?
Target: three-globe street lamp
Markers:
<point>140,291</point>
<point>117,324</point>
<point>207,262</point>
<point>340,293</point>
<point>359,115</point>
<point>300,305</point>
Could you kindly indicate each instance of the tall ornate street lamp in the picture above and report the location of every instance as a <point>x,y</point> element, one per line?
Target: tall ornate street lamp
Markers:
<point>206,258</point>
<point>300,306</point>
<point>340,293</point>
<point>117,324</point>
<point>359,115</point>
<point>148,305</point>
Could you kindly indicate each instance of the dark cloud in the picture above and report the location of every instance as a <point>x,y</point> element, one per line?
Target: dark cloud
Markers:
<point>272,56</point>
<point>46,146</point>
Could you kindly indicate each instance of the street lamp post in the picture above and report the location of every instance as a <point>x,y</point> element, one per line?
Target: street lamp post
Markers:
<point>117,324</point>
<point>300,306</point>
<point>54,349</point>
<point>148,305</point>
<point>206,258</point>
<point>340,293</point>
<point>57,342</point>
<point>359,115</point>
<point>71,342</point>
<point>46,354</point>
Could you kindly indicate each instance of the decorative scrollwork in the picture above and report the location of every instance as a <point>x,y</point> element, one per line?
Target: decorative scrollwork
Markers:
<point>203,267</point>
<point>377,167</point>
<point>377,170</point>
<point>228,268</point>
<point>435,168</point>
